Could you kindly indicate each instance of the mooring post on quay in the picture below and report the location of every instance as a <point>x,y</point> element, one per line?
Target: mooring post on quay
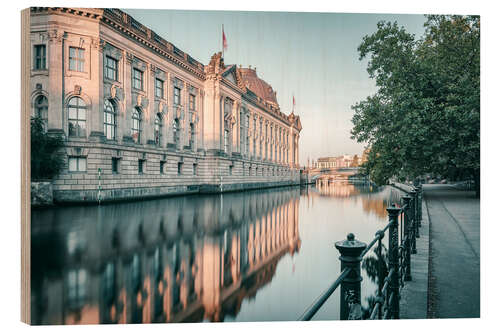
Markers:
<point>350,289</point>
<point>407,243</point>
<point>393,301</point>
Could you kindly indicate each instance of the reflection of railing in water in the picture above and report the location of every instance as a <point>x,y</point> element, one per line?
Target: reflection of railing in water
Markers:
<point>161,264</point>
<point>392,273</point>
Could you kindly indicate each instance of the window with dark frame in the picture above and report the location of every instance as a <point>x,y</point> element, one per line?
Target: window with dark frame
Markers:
<point>177,96</point>
<point>159,88</point>
<point>192,102</point>
<point>115,165</point>
<point>76,59</point>
<point>111,68</point>
<point>179,168</point>
<point>141,166</point>
<point>76,117</point>
<point>77,164</point>
<point>40,58</point>
<point>109,120</point>
<point>137,82</point>
<point>136,125</point>
<point>158,127</point>
<point>41,110</point>
<point>195,167</point>
<point>162,167</point>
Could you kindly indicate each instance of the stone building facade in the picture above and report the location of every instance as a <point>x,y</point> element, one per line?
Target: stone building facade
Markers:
<point>142,118</point>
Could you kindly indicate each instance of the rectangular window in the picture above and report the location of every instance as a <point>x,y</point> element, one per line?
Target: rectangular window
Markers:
<point>179,168</point>
<point>114,164</point>
<point>177,96</point>
<point>159,88</point>
<point>77,164</point>
<point>111,68</point>
<point>230,170</point>
<point>226,141</point>
<point>40,59</point>
<point>137,79</point>
<point>192,102</point>
<point>76,59</point>
<point>195,167</point>
<point>141,166</point>
<point>162,167</point>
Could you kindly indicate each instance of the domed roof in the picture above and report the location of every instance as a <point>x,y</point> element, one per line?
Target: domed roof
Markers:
<point>260,87</point>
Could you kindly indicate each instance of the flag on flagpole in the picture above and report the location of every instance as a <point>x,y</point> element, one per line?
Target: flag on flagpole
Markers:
<point>224,40</point>
<point>293,109</point>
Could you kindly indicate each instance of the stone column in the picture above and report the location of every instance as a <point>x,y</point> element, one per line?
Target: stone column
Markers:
<point>96,90</point>
<point>55,89</point>
<point>235,128</point>
<point>127,93</point>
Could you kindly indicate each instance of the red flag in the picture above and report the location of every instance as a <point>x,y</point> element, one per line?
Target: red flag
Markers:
<point>224,40</point>
<point>294,100</point>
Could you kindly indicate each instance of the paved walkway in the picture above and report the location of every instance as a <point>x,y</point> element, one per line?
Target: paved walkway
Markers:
<point>454,256</point>
<point>413,303</point>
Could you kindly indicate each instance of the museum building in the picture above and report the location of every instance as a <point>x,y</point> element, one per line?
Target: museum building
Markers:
<point>142,118</point>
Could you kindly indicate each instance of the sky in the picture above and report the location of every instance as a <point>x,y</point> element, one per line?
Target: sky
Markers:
<point>312,56</point>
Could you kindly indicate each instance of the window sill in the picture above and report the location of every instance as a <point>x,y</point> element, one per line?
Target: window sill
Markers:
<point>35,72</point>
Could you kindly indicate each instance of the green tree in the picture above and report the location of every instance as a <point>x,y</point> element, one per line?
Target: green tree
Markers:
<point>46,159</point>
<point>425,115</point>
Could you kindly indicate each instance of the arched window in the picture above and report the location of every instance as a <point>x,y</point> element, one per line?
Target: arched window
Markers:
<point>158,123</point>
<point>109,120</point>
<point>191,135</point>
<point>42,110</point>
<point>136,125</point>
<point>77,116</point>
<point>176,132</point>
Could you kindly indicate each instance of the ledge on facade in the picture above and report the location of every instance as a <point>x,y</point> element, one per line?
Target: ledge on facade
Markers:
<point>236,154</point>
<point>55,132</point>
<point>215,152</point>
<point>128,139</point>
<point>97,137</point>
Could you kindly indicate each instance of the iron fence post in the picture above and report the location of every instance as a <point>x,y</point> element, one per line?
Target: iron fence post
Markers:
<point>380,271</point>
<point>414,225</point>
<point>350,289</point>
<point>420,195</point>
<point>393,262</point>
<point>407,239</point>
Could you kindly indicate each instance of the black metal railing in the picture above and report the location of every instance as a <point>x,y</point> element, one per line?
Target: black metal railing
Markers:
<point>393,269</point>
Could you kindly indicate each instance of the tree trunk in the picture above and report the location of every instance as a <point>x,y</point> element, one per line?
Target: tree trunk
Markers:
<point>477,183</point>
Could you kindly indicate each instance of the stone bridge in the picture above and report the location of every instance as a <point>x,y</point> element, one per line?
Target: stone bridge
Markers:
<point>331,173</point>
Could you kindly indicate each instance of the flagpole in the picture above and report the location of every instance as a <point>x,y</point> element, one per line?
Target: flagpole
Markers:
<point>223,41</point>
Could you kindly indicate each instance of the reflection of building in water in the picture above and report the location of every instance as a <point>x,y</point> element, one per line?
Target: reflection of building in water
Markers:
<point>181,259</point>
<point>372,200</point>
<point>336,188</point>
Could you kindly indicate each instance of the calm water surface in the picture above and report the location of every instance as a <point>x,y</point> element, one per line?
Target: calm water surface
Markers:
<point>246,256</point>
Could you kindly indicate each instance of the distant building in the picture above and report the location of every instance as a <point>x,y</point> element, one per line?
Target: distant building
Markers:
<point>344,161</point>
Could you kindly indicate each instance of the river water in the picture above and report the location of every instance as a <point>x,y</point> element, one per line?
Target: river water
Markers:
<point>247,256</point>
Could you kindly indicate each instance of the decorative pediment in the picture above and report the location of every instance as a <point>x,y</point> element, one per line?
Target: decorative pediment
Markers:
<point>230,75</point>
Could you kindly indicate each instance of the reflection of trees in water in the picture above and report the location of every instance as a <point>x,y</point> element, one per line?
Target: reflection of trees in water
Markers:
<point>160,260</point>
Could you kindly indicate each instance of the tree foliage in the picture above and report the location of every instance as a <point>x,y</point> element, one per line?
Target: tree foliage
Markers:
<point>46,160</point>
<point>424,118</point>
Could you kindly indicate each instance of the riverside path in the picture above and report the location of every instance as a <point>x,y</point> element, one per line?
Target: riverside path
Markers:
<point>454,252</point>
